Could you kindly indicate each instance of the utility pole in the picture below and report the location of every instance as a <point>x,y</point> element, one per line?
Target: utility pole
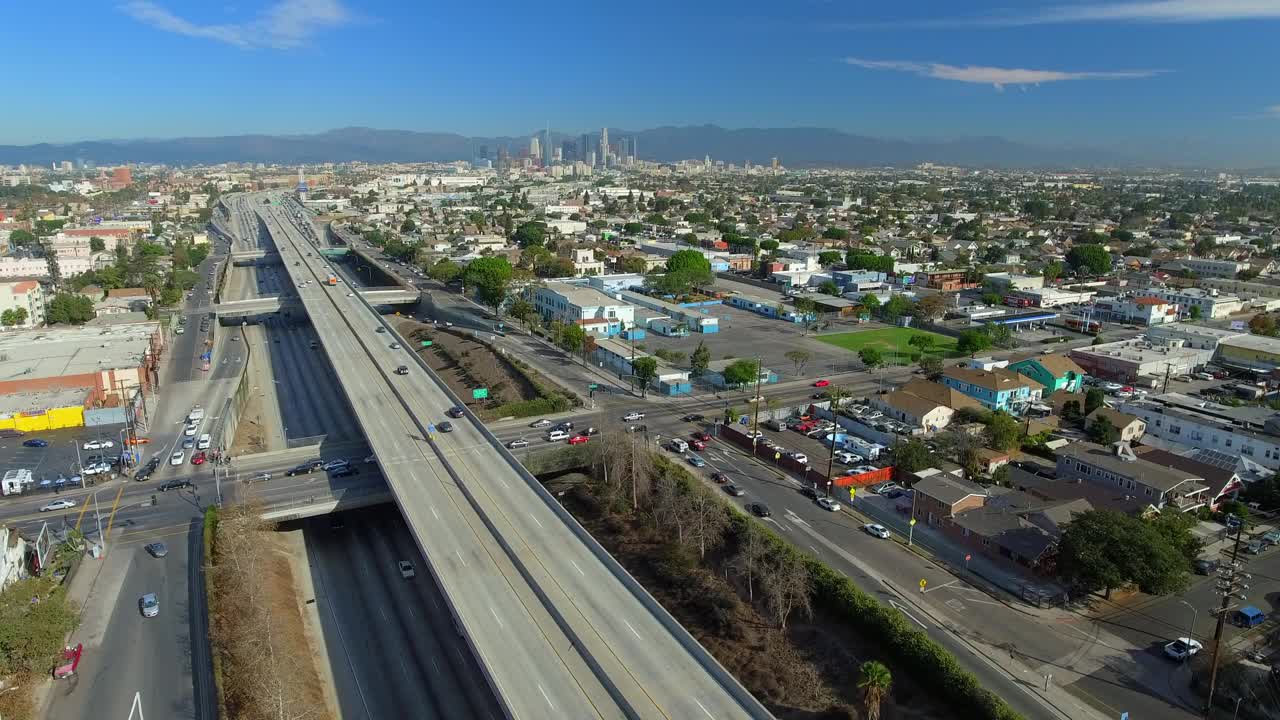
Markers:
<point>755,418</point>
<point>831,456</point>
<point>1230,587</point>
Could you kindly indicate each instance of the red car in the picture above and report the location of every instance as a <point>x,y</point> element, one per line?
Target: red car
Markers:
<point>578,439</point>
<point>698,445</point>
<point>702,436</point>
<point>197,459</point>
<point>720,478</point>
<point>822,383</point>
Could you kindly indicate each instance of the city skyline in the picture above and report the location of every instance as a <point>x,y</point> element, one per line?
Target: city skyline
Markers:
<point>1163,76</point>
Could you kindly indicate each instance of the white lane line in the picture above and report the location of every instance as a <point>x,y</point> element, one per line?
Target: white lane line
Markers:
<point>939,587</point>
<point>494,613</point>
<point>435,664</point>
<point>633,630</point>
<point>704,709</point>
<point>575,567</point>
<point>460,558</point>
<point>544,697</point>
<point>535,519</point>
<point>384,613</point>
<point>433,512</point>
<point>911,617</point>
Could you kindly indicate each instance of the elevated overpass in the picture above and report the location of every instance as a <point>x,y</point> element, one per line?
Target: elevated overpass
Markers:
<point>558,627</point>
<point>394,295</point>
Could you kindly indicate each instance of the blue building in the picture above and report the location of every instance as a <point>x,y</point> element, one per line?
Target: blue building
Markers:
<point>715,373</point>
<point>996,388</point>
<point>768,308</point>
<point>616,356</point>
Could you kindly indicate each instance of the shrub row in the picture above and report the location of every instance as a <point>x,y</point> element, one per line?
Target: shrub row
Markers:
<point>913,650</point>
<point>210,531</point>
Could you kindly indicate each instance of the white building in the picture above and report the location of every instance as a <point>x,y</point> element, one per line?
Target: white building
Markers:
<point>1140,361</point>
<point>13,555</point>
<point>1009,282</point>
<point>26,295</point>
<point>585,262</point>
<point>1212,304</point>
<point>1143,310</point>
<point>596,312</point>
<point>1186,422</point>
<point>1208,267</point>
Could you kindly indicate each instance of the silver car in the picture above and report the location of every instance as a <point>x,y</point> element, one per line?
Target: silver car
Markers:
<point>149,604</point>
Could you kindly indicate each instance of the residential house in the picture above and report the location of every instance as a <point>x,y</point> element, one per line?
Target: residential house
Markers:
<point>13,556</point>
<point>1055,372</point>
<point>1131,428</point>
<point>122,300</point>
<point>996,388</point>
<point>585,263</point>
<point>1224,482</point>
<point>1156,485</point>
<point>924,404</point>
<point>940,497</point>
<point>1017,529</point>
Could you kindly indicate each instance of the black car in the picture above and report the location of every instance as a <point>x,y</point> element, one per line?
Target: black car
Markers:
<point>304,468</point>
<point>176,485</point>
<point>455,412</point>
<point>347,471</point>
<point>445,426</point>
<point>402,370</point>
<point>759,510</point>
<point>564,426</point>
<point>693,417</point>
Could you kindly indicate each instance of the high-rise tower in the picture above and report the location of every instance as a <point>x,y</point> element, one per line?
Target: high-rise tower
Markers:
<point>604,147</point>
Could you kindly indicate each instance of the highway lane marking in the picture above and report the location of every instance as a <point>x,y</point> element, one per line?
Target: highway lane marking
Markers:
<point>544,697</point>
<point>434,513</point>
<point>494,613</point>
<point>460,558</point>
<point>704,709</point>
<point>535,519</point>
<point>633,630</point>
<point>575,567</point>
<point>903,610</point>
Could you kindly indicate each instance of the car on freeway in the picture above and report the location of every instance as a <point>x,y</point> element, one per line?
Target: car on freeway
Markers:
<point>98,444</point>
<point>693,417</point>
<point>579,439</point>
<point>828,504</point>
<point>455,412</point>
<point>406,569</point>
<point>35,442</point>
<point>540,423</point>
<point>696,461</point>
<point>402,370</point>
<point>344,471</point>
<point>633,415</point>
<point>177,457</point>
<point>697,445</point>
<point>564,426</point>
<point>305,468</point>
<point>822,383</point>
<point>1182,648</point>
<point>337,464</point>
<point>734,490</point>
<point>876,530</point>
<point>719,478</point>
<point>445,427</point>
<point>149,604</point>
<point>395,346</point>
<point>517,444</point>
<point>759,510</point>
<point>188,443</point>
<point>58,505</point>
<point>380,329</point>
<point>260,477</point>
<point>156,549</point>
<point>198,458</point>
<point>351,294</point>
<point>704,437</point>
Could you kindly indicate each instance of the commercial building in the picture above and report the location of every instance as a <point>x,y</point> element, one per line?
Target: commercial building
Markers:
<point>1250,352</point>
<point>26,296</point>
<point>1157,486</point>
<point>1003,282</point>
<point>38,267</point>
<point>617,356</point>
<point>1140,361</point>
<point>668,316</point>
<point>768,308</point>
<point>1258,288</point>
<point>1176,421</point>
<point>1201,337</point>
<point>1212,304</point>
<point>1140,310</point>
<point>947,280</point>
<point>1208,267</point>
<point>597,313</point>
<point>1052,297</point>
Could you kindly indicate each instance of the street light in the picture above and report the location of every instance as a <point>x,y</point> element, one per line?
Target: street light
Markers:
<point>1191,631</point>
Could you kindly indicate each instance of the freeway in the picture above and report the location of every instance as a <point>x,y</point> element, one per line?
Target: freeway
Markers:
<point>556,625</point>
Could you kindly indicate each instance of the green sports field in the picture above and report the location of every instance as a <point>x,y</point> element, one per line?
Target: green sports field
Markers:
<point>893,342</point>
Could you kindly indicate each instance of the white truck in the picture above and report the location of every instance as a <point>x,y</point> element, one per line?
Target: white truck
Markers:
<point>16,482</point>
<point>196,415</point>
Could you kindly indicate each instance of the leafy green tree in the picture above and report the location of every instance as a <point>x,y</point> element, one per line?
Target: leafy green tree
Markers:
<point>931,365</point>
<point>921,342</point>
<point>1263,324</point>
<point>97,244</point>
<point>69,309</point>
<point>1091,259</point>
<point>992,298</point>
<point>874,680</point>
<point>769,245</point>
<point>197,254</point>
<point>827,258</point>
<point>530,233</point>
<point>911,456</point>
<point>408,225</point>
<point>1051,271</point>
<point>522,310</point>
<point>895,307</point>
<point>1103,549</point>
<point>13,316</point>
<point>1003,431</point>
<point>32,633</point>
<point>169,296</point>
<point>573,338</point>
<point>444,271</point>
<point>1093,399</point>
<point>700,359</point>
<point>1195,312</point>
<point>633,228</point>
<point>972,342</point>
<point>490,276</point>
<point>1178,529</point>
<point>21,238</point>
<point>871,357</point>
<point>633,264</point>
<point>835,233</point>
<point>646,371</point>
<point>870,302</point>
<point>741,372</point>
<point>931,307</point>
<point>686,269</point>
<point>859,259</point>
<point>1038,209</point>
<point>1103,432</point>
<point>805,306</point>
<point>829,287</point>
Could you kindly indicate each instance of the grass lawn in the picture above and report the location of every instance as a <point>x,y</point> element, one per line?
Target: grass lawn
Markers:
<point>893,343</point>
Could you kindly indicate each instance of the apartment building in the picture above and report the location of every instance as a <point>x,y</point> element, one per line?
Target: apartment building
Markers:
<point>1212,304</point>
<point>1180,422</point>
<point>1155,485</point>
<point>25,295</point>
<point>1208,267</point>
<point>1140,310</point>
<point>597,313</point>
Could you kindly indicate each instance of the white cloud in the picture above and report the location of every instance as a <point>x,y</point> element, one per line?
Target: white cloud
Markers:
<point>1148,11</point>
<point>998,77</point>
<point>286,24</point>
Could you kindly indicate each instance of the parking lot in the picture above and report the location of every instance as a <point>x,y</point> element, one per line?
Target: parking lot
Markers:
<point>61,457</point>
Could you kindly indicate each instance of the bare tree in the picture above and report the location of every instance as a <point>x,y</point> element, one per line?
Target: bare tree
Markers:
<point>708,519</point>
<point>799,358</point>
<point>669,505</point>
<point>751,555</point>
<point>785,583</point>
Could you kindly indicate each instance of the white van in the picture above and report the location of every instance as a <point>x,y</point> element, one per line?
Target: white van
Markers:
<point>775,425</point>
<point>557,436</point>
<point>204,442</point>
<point>196,415</point>
<point>678,445</point>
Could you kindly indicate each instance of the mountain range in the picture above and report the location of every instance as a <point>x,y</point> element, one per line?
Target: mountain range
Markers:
<point>794,147</point>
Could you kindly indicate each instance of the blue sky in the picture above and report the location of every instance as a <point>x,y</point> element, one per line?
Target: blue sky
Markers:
<point>1113,74</point>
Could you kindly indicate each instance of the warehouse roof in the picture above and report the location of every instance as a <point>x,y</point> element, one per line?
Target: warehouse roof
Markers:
<point>54,352</point>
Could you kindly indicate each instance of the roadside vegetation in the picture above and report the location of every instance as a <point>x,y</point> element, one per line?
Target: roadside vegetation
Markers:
<point>263,665</point>
<point>35,619</point>
<point>895,346</point>
<point>799,635</point>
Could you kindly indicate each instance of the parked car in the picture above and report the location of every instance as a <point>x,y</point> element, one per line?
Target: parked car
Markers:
<point>1183,648</point>
<point>876,530</point>
<point>798,457</point>
<point>829,504</point>
<point>98,444</point>
<point>35,443</point>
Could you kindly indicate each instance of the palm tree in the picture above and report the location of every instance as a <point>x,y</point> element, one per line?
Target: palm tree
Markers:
<point>874,680</point>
